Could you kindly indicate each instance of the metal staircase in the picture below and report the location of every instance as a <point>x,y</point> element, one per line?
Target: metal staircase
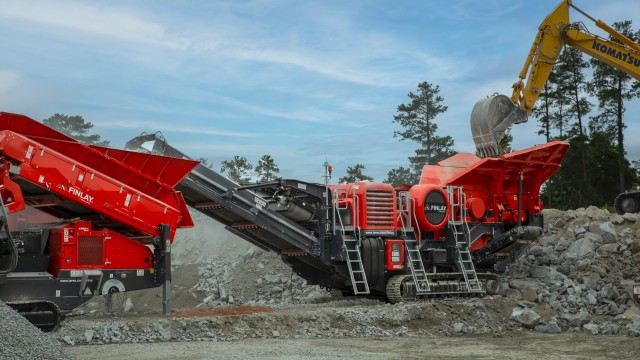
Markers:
<point>417,266</point>
<point>411,246</point>
<point>356,269</point>
<point>350,244</point>
<point>460,229</point>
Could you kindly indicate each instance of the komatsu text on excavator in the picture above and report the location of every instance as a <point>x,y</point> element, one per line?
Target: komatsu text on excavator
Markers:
<point>492,116</point>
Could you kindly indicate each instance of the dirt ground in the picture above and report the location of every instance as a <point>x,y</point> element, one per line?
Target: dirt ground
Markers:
<point>514,345</point>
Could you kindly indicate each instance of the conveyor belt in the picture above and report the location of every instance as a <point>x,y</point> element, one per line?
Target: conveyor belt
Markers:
<point>243,211</point>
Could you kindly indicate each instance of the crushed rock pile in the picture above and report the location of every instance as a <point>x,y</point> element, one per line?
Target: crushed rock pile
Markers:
<point>22,340</point>
<point>579,275</point>
<point>255,278</point>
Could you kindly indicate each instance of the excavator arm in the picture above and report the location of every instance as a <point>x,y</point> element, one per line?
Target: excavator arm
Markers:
<point>492,116</point>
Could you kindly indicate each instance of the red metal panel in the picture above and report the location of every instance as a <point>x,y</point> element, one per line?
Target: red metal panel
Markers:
<point>446,169</point>
<point>395,254</point>
<point>29,127</point>
<point>494,181</point>
<point>153,175</point>
<point>166,170</point>
<point>77,246</point>
<point>85,185</point>
<point>375,204</point>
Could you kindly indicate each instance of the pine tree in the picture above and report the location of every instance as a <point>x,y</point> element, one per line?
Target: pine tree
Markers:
<point>418,121</point>
<point>400,176</point>
<point>542,111</point>
<point>613,88</point>
<point>75,127</point>
<point>354,174</point>
<point>571,85</point>
<point>267,169</point>
<point>238,169</point>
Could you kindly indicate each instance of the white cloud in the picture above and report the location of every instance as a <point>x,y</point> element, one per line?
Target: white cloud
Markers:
<point>299,114</point>
<point>340,51</point>
<point>85,18</point>
<point>155,126</point>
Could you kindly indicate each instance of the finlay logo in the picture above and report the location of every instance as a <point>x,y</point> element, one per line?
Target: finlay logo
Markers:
<point>438,208</point>
<point>77,193</point>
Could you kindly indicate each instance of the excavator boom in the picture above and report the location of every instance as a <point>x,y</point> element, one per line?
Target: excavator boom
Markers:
<point>492,116</point>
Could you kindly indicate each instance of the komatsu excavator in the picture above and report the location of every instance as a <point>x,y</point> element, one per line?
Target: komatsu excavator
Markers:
<point>492,116</point>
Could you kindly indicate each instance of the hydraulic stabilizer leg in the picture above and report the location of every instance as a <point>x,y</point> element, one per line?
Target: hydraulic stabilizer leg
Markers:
<point>162,266</point>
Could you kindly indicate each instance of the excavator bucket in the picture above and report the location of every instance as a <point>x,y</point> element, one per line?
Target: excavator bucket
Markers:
<point>490,118</point>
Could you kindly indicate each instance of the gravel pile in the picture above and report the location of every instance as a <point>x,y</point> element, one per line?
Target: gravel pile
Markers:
<point>580,274</point>
<point>21,340</point>
<point>255,278</point>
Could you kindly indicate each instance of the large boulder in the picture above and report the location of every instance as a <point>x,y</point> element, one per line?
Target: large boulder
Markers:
<point>525,316</point>
<point>633,218</point>
<point>617,219</point>
<point>550,328</point>
<point>578,319</point>
<point>608,233</point>
<point>582,248</point>
<point>608,249</point>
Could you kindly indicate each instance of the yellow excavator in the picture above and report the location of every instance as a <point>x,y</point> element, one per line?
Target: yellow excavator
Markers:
<point>492,116</point>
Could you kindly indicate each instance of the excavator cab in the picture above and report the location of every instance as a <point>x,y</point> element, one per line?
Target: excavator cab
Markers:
<point>490,118</point>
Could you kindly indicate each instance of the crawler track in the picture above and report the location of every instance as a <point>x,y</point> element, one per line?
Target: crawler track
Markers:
<point>45,315</point>
<point>402,288</point>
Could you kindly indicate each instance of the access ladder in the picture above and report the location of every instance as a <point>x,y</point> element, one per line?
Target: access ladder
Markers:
<point>411,245</point>
<point>460,229</point>
<point>350,243</point>
<point>356,269</point>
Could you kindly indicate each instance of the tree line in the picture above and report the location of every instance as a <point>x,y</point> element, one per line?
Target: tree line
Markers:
<point>585,102</point>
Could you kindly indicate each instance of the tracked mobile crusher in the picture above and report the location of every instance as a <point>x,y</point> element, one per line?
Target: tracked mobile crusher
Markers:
<point>467,219</point>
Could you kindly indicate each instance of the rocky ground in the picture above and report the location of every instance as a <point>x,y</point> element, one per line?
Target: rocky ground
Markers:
<point>576,279</point>
<point>522,345</point>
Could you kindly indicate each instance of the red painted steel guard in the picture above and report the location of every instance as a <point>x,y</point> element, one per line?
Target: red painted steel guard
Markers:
<point>492,183</point>
<point>133,188</point>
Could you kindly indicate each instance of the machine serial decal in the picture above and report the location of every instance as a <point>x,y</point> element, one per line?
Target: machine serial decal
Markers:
<point>261,203</point>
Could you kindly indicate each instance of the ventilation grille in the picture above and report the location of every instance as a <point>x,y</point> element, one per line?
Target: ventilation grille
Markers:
<point>380,211</point>
<point>90,250</point>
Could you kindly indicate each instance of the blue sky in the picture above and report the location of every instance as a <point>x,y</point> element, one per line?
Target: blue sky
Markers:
<point>303,81</point>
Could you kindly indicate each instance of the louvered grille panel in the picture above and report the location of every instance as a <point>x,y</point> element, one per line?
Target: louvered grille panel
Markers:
<point>90,250</point>
<point>380,211</point>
